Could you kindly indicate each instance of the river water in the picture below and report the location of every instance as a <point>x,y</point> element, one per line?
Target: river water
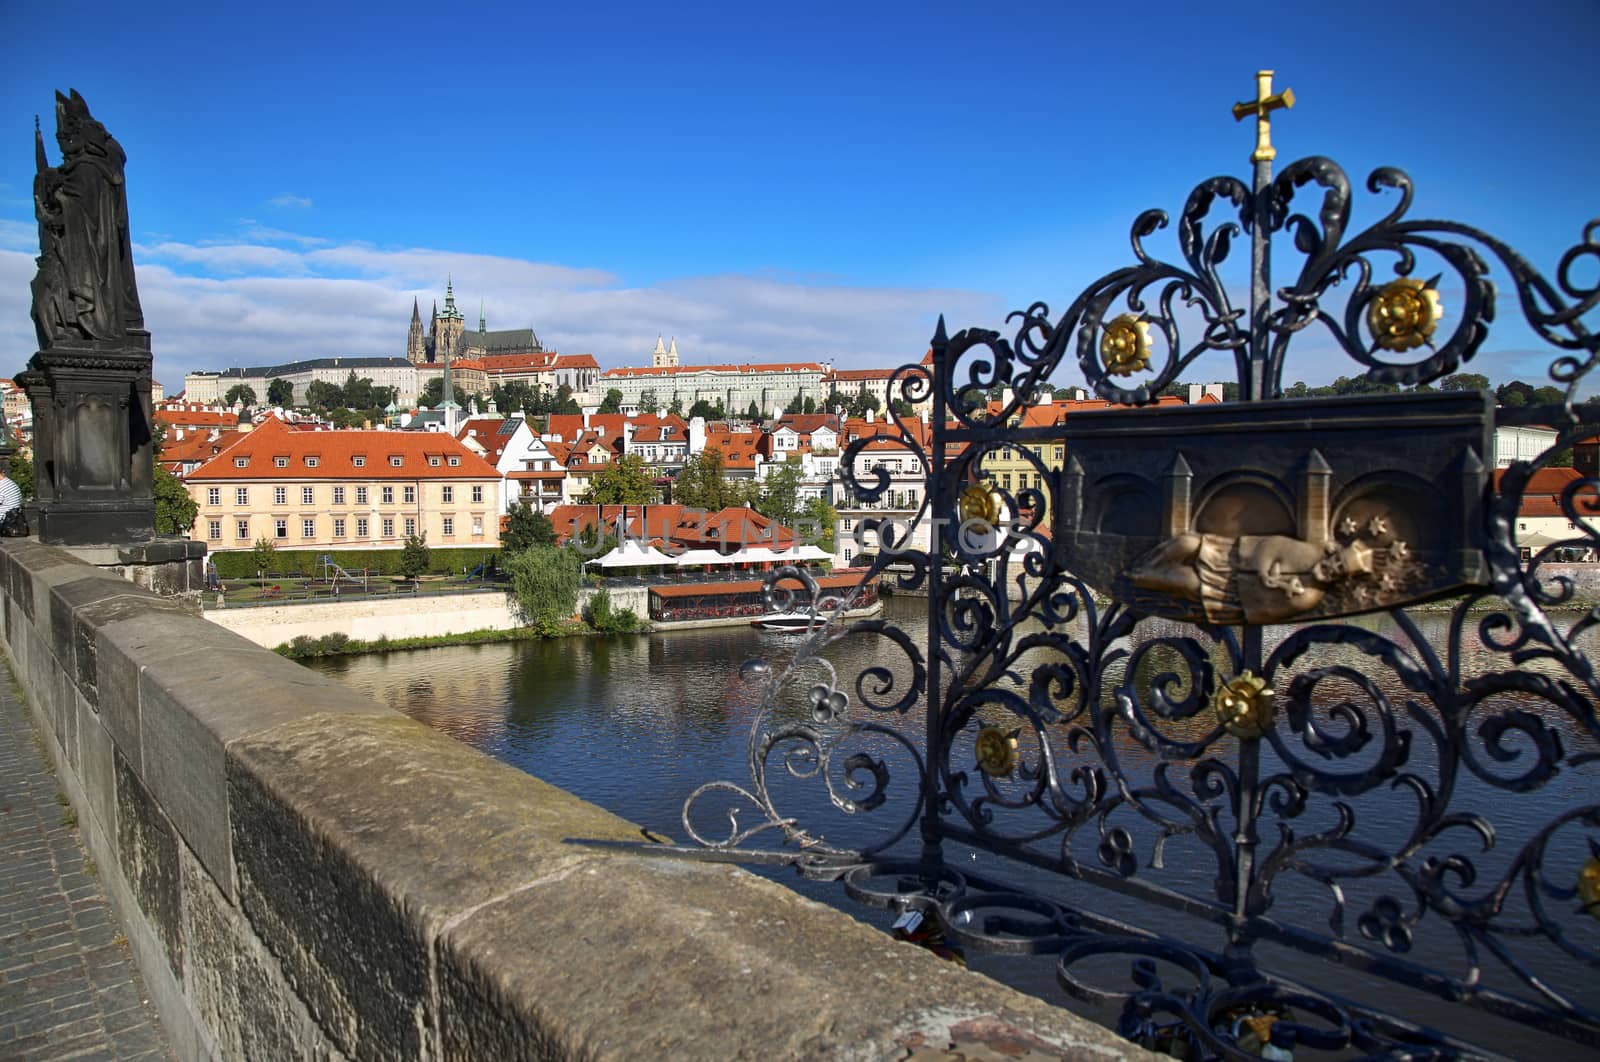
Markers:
<point>636,723</point>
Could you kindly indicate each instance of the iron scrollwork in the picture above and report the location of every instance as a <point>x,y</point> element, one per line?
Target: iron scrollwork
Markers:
<point>1089,706</point>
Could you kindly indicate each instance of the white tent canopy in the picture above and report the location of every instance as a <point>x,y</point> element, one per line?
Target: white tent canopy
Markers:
<point>754,555</point>
<point>634,554</point>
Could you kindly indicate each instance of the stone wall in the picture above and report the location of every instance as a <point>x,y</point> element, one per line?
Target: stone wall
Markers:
<point>368,619</point>
<point>306,874</point>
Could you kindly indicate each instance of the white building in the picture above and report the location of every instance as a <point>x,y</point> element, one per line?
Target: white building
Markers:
<point>529,469</point>
<point>770,387</point>
<point>209,387</point>
<point>1525,443</point>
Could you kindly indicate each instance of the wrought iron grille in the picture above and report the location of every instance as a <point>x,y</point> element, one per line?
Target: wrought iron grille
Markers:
<point>1150,646</point>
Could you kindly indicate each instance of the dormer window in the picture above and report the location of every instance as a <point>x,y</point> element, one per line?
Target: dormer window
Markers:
<point>396,460</point>
<point>359,461</point>
<point>433,462</point>
<point>313,462</point>
<point>281,462</point>
<point>241,462</point>
<point>455,461</point>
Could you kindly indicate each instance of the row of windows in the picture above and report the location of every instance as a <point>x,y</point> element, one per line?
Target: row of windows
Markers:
<point>280,495</point>
<point>308,527</point>
<point>358,461</point>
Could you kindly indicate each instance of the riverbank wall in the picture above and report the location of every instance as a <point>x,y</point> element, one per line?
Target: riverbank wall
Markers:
<point>394,616</point>
<point>304,873</point>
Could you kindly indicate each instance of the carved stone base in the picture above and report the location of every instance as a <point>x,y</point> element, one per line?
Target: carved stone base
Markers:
<point>166,564</point>
<point>114,521</point>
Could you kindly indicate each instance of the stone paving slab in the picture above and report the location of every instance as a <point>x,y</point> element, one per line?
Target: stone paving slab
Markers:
<point>68,984</point>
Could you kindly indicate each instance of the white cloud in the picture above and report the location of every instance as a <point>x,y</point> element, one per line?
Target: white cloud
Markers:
<point>268,296</point>
<point>248,301</point>
<point>290,202</point>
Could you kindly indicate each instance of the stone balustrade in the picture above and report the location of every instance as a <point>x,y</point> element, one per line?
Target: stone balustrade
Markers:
<point>304,873</point>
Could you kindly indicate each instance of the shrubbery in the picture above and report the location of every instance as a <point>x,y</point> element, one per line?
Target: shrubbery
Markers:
<point>607,620</point>
<point>240,564</point>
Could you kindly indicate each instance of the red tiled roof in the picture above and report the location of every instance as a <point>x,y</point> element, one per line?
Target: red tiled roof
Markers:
<point>1542,496</point>
<point>678,370</point>
<point>674,525</point>
<point>197,418</point>
<point>860,374</point>
<point>486,432</point>
<point>336,451</point>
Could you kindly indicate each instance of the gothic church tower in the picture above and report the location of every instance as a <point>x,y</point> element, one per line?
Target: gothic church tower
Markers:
<point>448,324</point>
<point>416,343</point>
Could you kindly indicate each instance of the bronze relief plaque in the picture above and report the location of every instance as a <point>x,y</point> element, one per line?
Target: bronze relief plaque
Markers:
<point>1278,512</point>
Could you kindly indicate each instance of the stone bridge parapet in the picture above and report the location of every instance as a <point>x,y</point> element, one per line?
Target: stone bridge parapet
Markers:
<point>305,873</point>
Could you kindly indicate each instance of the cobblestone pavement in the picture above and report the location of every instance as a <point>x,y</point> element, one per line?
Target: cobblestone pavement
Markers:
<point>68,984</point>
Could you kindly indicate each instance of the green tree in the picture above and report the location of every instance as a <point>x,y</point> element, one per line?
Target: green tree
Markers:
<point>809,405</point>
<point>358,394</point>
<point>280,392</point>
<point>1547,396</point>
<point>175,510</point>
<point>323,396</point>
<point>901,408</point>
<point>780,495</point>
<point>701,483</point>
<point>1464,381</point>
<point>612,402</point>
<point>703,408</point>
<point>20,472</point>
<point>565,403</point>
<point>818,521</point>
<point>414,556</point>
<point>795,404</point>
<point>622,482</point>
<point>1523,394</point>
<point>648,403</point>
<point>676,408</point>
<point>433,393</point>
<point>240,393</point>
<point>544,586</point>
<point>264,554</point>
<point>753,412</point>
<point>525,527</point>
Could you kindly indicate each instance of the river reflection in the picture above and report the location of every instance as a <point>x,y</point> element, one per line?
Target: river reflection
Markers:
<point>635,724</point>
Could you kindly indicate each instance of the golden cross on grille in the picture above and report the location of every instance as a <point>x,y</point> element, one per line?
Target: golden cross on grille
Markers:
<point>1262,106</point>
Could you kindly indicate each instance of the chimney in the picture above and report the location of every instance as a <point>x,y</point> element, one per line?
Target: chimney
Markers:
<point>585,420</point>
<point>1080,395</point>
<point>872,415</point>
<point>1195,391</point>
<point>178,433</point>
<point>1006,395</point>
<point>1214,390</point>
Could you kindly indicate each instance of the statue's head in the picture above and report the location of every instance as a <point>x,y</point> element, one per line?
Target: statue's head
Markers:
<point>77,132</point>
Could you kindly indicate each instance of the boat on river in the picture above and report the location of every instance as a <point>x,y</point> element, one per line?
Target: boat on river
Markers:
<point>739,602</point>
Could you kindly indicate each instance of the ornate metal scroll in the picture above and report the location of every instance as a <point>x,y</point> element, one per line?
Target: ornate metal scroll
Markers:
<point>1104,703</point>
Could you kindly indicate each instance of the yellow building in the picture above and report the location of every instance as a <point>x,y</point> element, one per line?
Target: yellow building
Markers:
<point>345,490</point>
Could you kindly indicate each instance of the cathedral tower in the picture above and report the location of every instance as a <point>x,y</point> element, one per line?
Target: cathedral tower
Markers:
<point>662,358</point>
<point>448,324</point>
<point>416,343</point>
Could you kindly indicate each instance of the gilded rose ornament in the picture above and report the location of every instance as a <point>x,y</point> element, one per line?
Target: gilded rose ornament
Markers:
<point>1125,346</point>
<point>997,751</point>
<point>979,503</point>
<point>1404,314</point>
<point>1245,706</point>
<point>1589,886</point>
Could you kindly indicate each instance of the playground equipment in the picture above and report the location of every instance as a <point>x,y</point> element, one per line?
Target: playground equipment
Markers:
<point>330,572</point>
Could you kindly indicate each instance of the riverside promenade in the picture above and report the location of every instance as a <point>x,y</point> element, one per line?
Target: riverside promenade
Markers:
<point>68,984</point>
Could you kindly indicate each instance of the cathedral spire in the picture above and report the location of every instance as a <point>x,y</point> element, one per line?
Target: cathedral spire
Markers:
<point>481,327</point>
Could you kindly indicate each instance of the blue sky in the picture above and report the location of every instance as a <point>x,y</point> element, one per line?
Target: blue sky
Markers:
<point>760,181</point>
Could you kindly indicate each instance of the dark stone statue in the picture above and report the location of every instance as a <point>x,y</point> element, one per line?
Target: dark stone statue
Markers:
<point>85,288</point>
<point>89,384</point>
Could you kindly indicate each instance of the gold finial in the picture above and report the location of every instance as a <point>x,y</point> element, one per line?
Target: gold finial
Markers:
<point>1262,106</point>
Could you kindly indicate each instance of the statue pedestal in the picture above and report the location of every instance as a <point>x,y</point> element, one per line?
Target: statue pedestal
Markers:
<point>171,566</point>
<point>92,442</point>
